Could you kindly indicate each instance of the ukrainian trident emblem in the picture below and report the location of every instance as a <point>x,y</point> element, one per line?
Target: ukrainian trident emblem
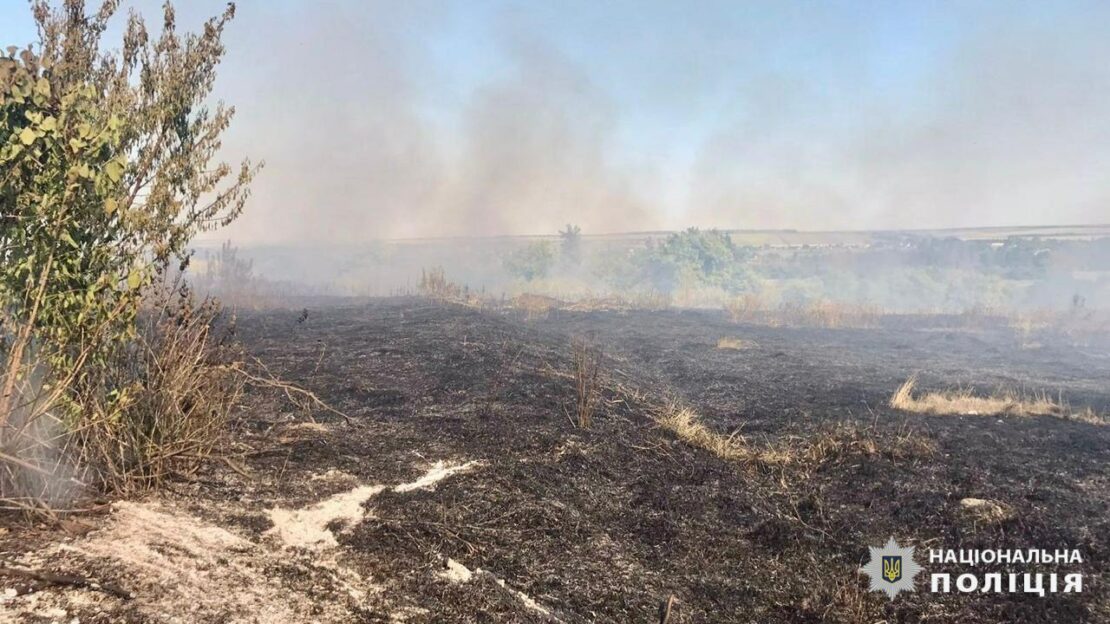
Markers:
<point>891,568</point>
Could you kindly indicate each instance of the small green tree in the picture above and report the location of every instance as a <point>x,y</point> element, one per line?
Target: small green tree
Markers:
<point>688,258</point>
<point>107,172</point>
<point>531,261</point>
<point>570,245</point>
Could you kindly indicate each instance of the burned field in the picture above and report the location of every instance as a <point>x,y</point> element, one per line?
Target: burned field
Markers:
<point>458,485</point>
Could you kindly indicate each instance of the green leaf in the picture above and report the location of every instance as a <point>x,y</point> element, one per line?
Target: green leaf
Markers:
<point>110,205</point>
<point>27,137</point>
<point>49,124</point>
<point>114,170</point>
<point>133,280</point>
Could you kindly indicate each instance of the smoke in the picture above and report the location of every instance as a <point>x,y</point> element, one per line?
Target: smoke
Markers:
<point>39,469</point>
<point>534,154</point>
<point>1009,128</point>
<point>355,152</point>
<point>383,120</point>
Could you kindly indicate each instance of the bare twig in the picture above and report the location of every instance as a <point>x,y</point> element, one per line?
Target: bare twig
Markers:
<point>8,569</point>
<point>665,609</point>
<point>291,391</point>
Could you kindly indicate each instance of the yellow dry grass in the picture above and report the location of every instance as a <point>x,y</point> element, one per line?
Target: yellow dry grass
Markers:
<point>685,424</point>
<point>1089,416</point>
<point>729,342</point>
<point>831,315</point>
<point>986,511</point>
<point>745,308</point>
<point>836,442</point>
<point>751,308</point>
<point>535,306</point>
<point>964,402</point>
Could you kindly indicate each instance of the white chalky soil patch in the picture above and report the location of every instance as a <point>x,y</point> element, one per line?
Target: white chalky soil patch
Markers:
<point>308,527</point>
<point>456,572</point>
<point>183,569</point>
<point>180,569</point>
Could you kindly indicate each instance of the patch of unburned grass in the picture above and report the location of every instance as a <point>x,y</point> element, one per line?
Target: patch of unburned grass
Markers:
<point>751,308</point>
<point>729,342</point>
<point>685,424</point>
<point>535,306</point>
<point>828,445</point>
<point>985,511</point>
<point>964,402</point>
<point>587,370</point>
<point>1089,416</point>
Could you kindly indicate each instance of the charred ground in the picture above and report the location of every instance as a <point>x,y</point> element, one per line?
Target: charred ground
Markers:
<point>605,524</point>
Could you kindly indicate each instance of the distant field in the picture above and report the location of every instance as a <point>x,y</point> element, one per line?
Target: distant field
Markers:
<point>1018,268</point>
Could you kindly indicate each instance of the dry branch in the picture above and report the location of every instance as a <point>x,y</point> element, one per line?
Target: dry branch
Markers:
<point>295,394</point>
<point>8,569</point>
<point>587,368</point>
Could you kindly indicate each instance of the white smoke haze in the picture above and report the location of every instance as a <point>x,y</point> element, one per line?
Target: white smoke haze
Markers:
<point>384,120</point>
<point>353,155</point>
<point>1012,130</point>
<point>371,131</point>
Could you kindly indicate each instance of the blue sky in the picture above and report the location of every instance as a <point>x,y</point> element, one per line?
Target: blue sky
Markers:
<point>382,119</point>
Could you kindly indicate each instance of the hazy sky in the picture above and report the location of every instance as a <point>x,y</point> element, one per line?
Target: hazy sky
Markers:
<point>407,118</point>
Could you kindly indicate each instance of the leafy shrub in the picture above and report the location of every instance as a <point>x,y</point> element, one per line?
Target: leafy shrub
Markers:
<point>531,261</point>
<point>688,259</point>
<point>106,175</point>
<point>570,245</point>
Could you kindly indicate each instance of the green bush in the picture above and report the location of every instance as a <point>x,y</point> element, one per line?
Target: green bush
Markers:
<point>107,172</point>
<point>531,261</point>
<point>570,245</point>
<point>689,259</point>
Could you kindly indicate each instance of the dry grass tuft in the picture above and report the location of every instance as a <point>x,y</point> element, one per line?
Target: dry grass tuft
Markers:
<point>181,388</point>
<point>837,442</point>
<point>729,342</point>
<point>851,440</point>
<point>984,511</point>
<point>435,285</point>
<point>745,308</point>
<point>1089,416</point>
<point>830,315</point>
<point>535,306</point>
<point>751,308</point>
<point>684,423</point>
<point>587,370</point>
<point>966,403</point>
<point>152,408</point>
